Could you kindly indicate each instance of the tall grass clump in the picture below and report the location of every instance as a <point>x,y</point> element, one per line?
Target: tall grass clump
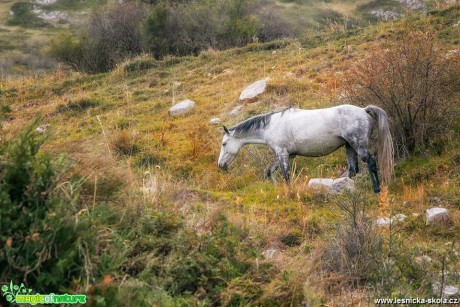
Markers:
<point>416,81</point>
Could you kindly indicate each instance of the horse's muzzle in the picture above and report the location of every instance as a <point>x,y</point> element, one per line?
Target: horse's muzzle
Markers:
<point>223,167</point>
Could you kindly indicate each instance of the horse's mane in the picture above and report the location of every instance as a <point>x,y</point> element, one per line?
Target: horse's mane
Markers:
<point>254,123</point>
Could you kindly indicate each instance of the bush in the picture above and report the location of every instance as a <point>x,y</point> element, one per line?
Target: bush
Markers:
<point>355,253</point>
<point>189,28</point>
<point>416,82</point>
<point>38,229</point>
<point>111,36</point>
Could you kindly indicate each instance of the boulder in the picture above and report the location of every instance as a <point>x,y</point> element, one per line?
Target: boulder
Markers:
<point>214,121</point>
<point>337,186</point>
<point>181,107</point>
<point>436,215</point>
<point>254,89</point>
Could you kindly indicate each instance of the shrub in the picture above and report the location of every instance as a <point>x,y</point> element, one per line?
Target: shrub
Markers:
<point>416,82</point>
<point>189,28</point>
<point>355,252</point>
<point>38,228</point>
<point>68,50</point>
<point>111,36</point>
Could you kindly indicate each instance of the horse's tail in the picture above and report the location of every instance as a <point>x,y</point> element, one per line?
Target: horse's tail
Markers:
<point>385,151</point>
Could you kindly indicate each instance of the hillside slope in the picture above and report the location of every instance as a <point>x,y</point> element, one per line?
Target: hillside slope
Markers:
<point>117,133</point>
<point>27,27</point>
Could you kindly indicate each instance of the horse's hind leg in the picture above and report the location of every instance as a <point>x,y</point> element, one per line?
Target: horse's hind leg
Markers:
<point>272,169</point>
<point>352,159</point>
<point>372,166</point>
<point>363,153</point>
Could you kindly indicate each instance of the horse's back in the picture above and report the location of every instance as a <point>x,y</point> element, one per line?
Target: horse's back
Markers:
<point>315,132</point>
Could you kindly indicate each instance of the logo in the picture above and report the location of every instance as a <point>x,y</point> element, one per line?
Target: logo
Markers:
<point>22,295</point>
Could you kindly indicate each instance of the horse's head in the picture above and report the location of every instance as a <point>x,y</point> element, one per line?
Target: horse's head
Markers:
<point>229,150</point>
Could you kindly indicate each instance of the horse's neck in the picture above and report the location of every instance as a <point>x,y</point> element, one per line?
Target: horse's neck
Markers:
<point>252,138</point>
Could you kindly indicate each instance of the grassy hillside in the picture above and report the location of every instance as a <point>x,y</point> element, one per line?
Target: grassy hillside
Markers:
<point>27,27</point>
<point>170,228</point>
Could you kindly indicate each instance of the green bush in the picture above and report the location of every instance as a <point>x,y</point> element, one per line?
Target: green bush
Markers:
<point>111,35</point>
<point>41,237</point>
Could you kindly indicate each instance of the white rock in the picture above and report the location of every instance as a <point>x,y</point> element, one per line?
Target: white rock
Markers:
<point>254,89</point>
<point>45,2</point>
<point>42,128</point>
<point>399,218</point>
<point>436,215</point>
<point>51,16</point>
<point>214,121</point>
<point>236,110</point>
<point>181,107</point>
<point>448,290</point>
<point>338,185</point>
<point>271,253</point>
<point>383,222</point>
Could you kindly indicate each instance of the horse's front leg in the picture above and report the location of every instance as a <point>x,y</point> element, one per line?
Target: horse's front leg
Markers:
<point>283,157</point>
<point>272,169</point>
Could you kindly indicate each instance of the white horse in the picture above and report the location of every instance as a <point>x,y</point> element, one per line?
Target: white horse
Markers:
<point>315,133</point>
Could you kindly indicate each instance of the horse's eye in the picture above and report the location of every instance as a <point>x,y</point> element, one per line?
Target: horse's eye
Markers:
<point>223,144</point>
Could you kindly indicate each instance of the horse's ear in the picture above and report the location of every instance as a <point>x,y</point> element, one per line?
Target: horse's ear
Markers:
<point>226,130</point>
